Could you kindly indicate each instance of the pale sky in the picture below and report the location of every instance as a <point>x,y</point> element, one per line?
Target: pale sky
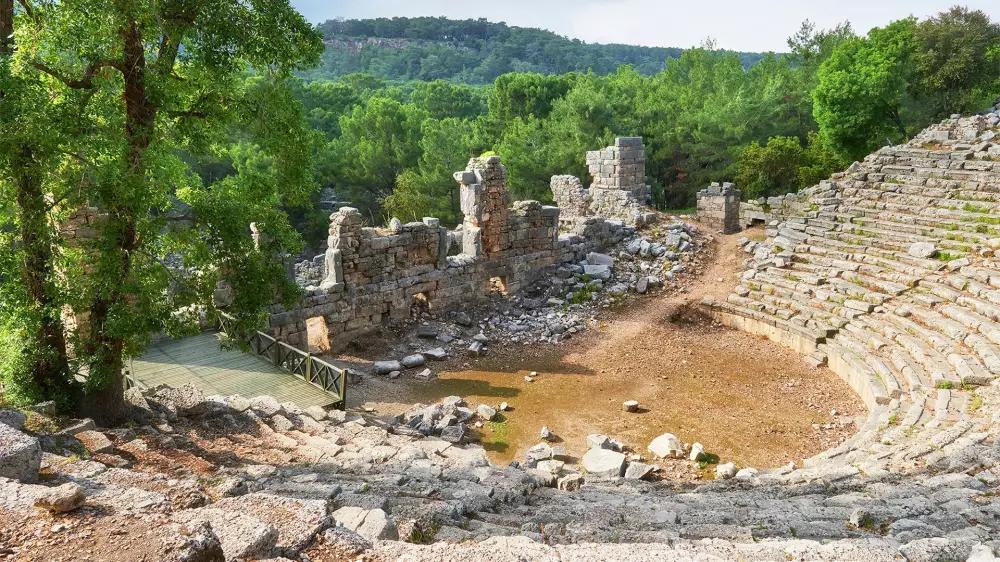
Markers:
<point>741,25</point>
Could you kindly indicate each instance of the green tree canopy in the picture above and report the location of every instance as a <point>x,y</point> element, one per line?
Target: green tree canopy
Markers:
<point>138,86</point>
<point>957,58</point>
<point>861,94</point>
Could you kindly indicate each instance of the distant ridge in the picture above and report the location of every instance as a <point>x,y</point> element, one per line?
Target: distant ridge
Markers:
<point>472,51</point>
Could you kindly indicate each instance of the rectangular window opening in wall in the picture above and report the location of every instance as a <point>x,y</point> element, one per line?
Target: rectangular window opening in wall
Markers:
<point>317,335</point>
<point>498,285</point>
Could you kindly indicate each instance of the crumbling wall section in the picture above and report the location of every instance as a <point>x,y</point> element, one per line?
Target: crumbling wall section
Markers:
<point>808,202</point>
<point>571,197</point>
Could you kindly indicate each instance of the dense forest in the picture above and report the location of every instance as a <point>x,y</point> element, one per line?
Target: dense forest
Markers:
<point>140,141</point>
<point>775,126</point>
<point>471,51</point>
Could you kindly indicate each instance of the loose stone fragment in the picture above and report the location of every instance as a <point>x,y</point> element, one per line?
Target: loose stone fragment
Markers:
<point>725,471</point>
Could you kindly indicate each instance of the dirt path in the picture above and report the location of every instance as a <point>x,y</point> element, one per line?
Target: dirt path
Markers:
<point>743,397</point>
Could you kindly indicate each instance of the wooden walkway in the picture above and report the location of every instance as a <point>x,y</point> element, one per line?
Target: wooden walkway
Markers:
<point>200,360</point>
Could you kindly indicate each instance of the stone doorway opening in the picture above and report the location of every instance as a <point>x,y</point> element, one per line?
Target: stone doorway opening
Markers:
<point>498,285</point>
<point>317,335</point>
<point>419,304</point>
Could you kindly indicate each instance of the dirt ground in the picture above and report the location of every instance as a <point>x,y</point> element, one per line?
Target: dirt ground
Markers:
<point>743,397</point>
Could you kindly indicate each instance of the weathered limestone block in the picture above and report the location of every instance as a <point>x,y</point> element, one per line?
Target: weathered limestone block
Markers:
<point>334,269</point>
<point>472,241</point>
<point>20,455</point>
<point>345,230</point>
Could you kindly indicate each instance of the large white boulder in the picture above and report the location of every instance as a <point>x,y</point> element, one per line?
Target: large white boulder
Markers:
<point>265,406</point>
<point>594,258</point>
<point>603,463</point>
<point>922,250</point>
<point>725,471</point>
<point>386,367</point>
<point>666,445</point>
<point>61,499</point>
<point>601,272</point>
<point>697,450</point>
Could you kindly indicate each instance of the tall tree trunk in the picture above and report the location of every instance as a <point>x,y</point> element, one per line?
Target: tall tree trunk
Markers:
<point>107,402</point>
<point>50,367</point>
<point>6,27</point>
<point>48,362</point>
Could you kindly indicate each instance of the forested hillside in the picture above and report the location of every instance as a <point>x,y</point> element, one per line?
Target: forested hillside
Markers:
<point>776,126</point>
<point>471,51</point>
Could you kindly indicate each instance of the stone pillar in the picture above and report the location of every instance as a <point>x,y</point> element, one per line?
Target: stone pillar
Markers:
<point>719,207</point>
<point>484,200</point>
<point>619,190</point>
<point>443,241</point>
<point>342,246</point>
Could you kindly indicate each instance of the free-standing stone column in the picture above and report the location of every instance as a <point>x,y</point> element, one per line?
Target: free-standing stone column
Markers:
<point>719,207</point>
<point>342,245</point>
<point>484,199</point>
<point>619,190</point>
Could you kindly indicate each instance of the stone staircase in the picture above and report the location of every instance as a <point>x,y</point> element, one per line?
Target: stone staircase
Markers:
<point>890,277</point>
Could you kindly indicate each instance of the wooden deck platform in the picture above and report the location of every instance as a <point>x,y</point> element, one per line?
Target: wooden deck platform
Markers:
<point>199,360</point>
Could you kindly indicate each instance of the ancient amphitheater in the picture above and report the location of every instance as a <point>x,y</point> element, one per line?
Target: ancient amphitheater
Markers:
<point>886,273</point>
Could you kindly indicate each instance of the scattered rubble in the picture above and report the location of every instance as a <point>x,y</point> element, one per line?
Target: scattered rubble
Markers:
<point>563,304</point>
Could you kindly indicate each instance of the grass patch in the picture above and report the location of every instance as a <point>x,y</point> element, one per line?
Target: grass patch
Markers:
<point>582,296</point>
<point>976,402</point>
<point>971,208</point>
<point>945,385</point>
<point>946,256</point>
<point>498,434</point>
<point>707,459</point>
<point>422,535</point>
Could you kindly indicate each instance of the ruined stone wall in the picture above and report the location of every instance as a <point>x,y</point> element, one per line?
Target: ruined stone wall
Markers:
<point>373,277</point>
<point>719,207</point>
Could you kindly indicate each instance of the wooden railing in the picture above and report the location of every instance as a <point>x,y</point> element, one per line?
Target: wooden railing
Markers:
<point>294,361</point>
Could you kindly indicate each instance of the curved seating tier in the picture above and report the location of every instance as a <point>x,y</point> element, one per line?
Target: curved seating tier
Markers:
<point>890,278</point>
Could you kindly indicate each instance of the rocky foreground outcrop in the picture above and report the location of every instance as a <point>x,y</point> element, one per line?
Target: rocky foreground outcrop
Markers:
<point>213,478</point>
